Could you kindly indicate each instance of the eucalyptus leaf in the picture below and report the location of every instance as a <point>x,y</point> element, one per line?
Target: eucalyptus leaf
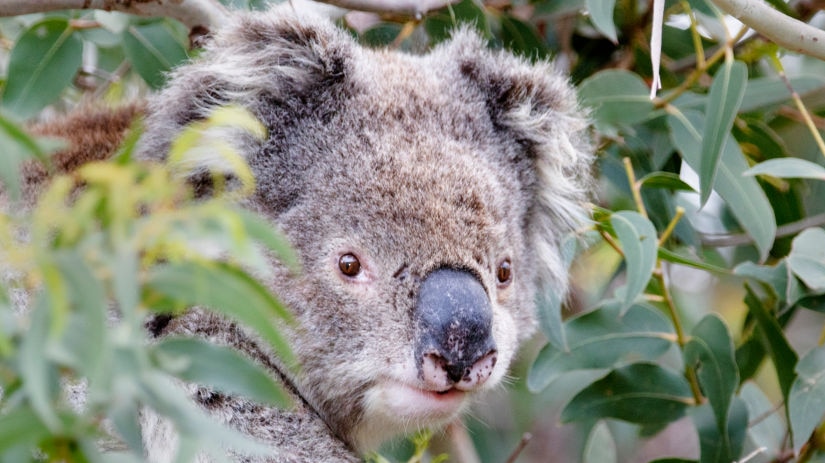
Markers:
<point>549,305</point>
<point>806,402</point>
<point>618,98</point>
<point>600,446</point>
<point>767,91</point>
<point>667,180</point>
<point>788,168</point>
<point>807,258</point>
<point>601,14</point>
<point>743,195</point>
<point>42,63</point>
<point>721,449</point>
<point>153,50</point>
<point>639,242</point>
<point>783,356</point>
<point>642,393</point>
<point>725,96</point>
<point>603,338</point>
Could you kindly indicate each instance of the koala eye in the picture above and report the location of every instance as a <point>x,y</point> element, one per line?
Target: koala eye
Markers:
<point>504,273</point>
<point>349,265</point>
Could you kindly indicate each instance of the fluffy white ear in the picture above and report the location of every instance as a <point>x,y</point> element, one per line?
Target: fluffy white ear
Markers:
<point>536,105</point>
<point>271,62</point>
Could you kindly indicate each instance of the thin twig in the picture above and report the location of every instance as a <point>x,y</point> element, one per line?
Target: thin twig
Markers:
<point>739,239</point>
<point>525,439</point>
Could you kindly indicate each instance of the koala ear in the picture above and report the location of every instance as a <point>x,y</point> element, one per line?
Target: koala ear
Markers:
<point>269,63</point>
<point>535,105</point>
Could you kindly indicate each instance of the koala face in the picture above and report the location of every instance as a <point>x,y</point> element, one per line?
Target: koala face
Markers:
<point>425,197</point>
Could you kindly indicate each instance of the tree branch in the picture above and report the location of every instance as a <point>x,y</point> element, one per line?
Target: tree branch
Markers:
<point>739,239</point>
<point>195,14</point>
<point>413,8</point>
<point>785,31</point>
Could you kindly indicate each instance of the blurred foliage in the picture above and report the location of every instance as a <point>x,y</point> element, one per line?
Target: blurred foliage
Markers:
<point>700,286</point>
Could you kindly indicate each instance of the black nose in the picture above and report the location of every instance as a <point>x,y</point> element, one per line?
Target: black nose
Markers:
<point>454,321</point>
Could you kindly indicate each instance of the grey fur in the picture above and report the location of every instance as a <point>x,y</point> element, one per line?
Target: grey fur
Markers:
<point>459,158</point>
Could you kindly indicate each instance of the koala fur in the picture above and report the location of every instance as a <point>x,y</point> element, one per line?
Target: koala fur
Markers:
<point>450,179</point>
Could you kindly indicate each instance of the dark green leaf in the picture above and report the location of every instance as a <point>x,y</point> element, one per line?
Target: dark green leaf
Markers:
<point>677,258</point>
<point>618,98</point>
<point>710,352</point>
<point>226,289</point>
<point>522,38</point>
<point>153,50</point>
<point>806,402</point>
<point>603,338</point>
<point>783,355</point>
<point>207,364</point>
<point>441,25</point>
<point>743,195</point>
<point>667,180</point>
<point>43,62</point>
<point>639,393</point>
<point>788,168</point>
<point>639,244</point>
<point>713,447</point>
<point>601,14</point>
<point>723,103</point>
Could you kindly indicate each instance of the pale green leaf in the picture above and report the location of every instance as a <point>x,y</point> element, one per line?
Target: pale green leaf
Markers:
<point>549,305</point>
<point>743,195</point>
<point>601,14</point>
<point>713,447</point>
<point>769,91</point>
<point>600,446</point>
<point>618,98</point>
<point>639,393</point>
<point>806,402</point>
<point>639,242</point>
<point>807,258</point>
<point>603,338</point>
<point>788,168</point>
<point>724,99</point>
<point>43,62</point>
<point>222,368</point>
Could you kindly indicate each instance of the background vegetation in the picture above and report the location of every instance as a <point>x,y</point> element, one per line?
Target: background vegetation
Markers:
<point>695,331</point>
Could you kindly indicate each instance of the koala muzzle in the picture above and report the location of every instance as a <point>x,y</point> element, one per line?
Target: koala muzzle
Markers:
<point>454,346</point>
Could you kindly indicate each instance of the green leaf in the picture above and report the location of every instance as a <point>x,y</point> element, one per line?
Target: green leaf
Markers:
<point>522,38</point>
<point>228,290</point>
<point>20,427</point>
<point>807,258</point>
<point>267,234</point>
<point>806,402</point>
<point>783,355</point>
<point>43,62</point>
<point>600,446</point>
<point>667,180</point>
<point>724,99</point>
<point>207,364</point>
<point>18,147</point>
<point>710,351</point>
<point>677,258</point>
<point>35,369</point>
<point>641,393</point>
<point>769,431</point>
<point>603,338</point>
<point>639,244</point>
<point>618,98</point>
<point>153,50</point>
<point>743,195</point>
<point>768,91</point>
<point>788,168</point>
<point>601,14</point>
<point>550,304</point>
<point>714,449</point>
<point>441,24</point>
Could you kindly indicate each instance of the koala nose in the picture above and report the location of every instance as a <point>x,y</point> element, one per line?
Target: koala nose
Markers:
<point>454,346</point>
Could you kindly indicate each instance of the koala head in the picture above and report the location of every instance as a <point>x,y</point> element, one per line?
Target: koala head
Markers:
<point>425,196</point>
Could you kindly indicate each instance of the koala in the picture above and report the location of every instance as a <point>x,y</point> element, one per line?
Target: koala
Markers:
<point>425,197</point>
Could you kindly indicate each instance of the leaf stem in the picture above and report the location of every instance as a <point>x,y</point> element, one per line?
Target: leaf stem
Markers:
<point>635,187</point>
<point>680,212</point>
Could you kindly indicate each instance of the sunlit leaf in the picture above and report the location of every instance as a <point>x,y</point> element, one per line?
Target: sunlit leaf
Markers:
<point>600,446</point>
<point>601,13</point>
<point>710,352</point>
<point>603,338</point>
<point>618,98</point>
<point>788,168</point>
<point>723,103</point>
<point>806,402</point>
<point>223,368</point>
<point>743,195</point>
<point>43,62</point>
<point>714,449</point>
<point>638,393</point>
<point>639,242</point>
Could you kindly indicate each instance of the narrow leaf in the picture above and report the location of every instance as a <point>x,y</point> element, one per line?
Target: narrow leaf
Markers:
<point>677,258</point>
<point>788,168</point>
<point>207,364</point>
<point>228,290</point>
<point>43,62</point>
<point>36,370</point>
<point>710,351</point>
<point>743,195</point>
<point>724,99</point>
<point>600,446</point>
<point>603,338</point>
<point>549,304</point>
<point>641,393</point>
<point>667,180</point>
<point>727,449</point>
<point>768,91</point>
<point>783,356</point>
<point>639,243</point>
<point>806,402</point>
